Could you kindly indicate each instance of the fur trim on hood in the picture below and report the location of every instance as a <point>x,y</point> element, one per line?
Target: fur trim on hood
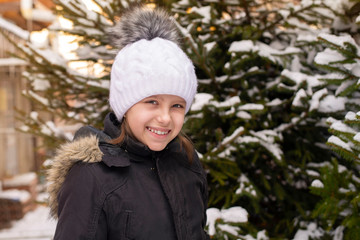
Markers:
<point>85,149</point>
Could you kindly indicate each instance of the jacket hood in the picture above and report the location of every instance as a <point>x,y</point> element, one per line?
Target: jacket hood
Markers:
<point>85,149</point>
<point>90,145</point>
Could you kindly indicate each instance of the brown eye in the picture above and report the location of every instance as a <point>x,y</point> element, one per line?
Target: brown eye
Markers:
<point>178,106</point>
<point>152,102</point>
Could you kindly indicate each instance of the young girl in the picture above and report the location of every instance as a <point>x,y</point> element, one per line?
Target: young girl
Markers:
<point>140,177</point>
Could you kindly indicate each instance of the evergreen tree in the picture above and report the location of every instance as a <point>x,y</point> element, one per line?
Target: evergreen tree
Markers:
<point>62,92</point>
<point>258,121</point>
<point>339,183</point>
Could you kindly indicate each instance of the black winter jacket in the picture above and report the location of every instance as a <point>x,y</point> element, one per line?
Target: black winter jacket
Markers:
<point>101,191</point>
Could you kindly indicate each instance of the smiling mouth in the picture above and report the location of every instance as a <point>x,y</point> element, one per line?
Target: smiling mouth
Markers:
<point>158,132</point>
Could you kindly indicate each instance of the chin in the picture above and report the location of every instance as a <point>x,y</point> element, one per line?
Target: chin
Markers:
<point>156,148</point>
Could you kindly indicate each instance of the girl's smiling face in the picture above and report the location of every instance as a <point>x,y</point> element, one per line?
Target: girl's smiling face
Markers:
<point>156,120</point>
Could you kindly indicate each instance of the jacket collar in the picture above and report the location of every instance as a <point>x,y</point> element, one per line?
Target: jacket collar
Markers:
<point>119,156</point>
<point>111,126</point>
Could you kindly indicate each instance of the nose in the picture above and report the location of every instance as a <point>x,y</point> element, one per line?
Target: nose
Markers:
<point>163,116</point>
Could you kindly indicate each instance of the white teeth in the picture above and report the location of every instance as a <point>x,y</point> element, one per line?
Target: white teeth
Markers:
<point>158,132</point>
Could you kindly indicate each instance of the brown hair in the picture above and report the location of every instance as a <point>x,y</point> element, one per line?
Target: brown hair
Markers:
<point>185,141</point>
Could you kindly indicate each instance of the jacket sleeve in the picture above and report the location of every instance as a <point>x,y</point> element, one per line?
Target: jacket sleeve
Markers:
<point>79,205</point>
<point>205,192</point>
<point>205,198</point>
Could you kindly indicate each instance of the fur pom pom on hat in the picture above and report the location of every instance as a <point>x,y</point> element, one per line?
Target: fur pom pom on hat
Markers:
<point>150,61</point>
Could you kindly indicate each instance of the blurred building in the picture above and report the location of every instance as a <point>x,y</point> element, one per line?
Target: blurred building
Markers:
<point>18,18</point>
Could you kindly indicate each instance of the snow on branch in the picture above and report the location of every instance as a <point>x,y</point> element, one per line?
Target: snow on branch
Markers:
<point>232,215</point>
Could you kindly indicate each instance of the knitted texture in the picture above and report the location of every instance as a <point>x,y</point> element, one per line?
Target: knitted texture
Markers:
<point>149,62</point>
<point>147,68</point>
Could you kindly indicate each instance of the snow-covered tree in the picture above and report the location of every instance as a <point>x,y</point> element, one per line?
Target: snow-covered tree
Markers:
<point>339,183</point>
<point>258,121</point>
<point>60,91</point>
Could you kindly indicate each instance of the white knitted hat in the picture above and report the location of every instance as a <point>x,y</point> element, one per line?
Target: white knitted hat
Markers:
<point>150,66</point>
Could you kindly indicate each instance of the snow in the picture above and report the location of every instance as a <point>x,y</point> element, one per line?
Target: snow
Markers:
<point>266,138</point>
<point>335,4</point>
<point>35,225</point>
<point>183,2</point>
<point>228,228</point>
<point>263,49</point>
<point>210,46</point>
<point>222,79</point>
<point>248,139</point>
<point>332,104</point>
<point>232,215</point>
<point>14,29</point>
<point>313,173</point>
<point>357,137</point>
<point>16,195</point>
<point>42,100</point>
<point>315,101</point>
<point>40,39</point>
<point>338,142</point>
<point>299,78</point>
<point>328,56</point>
<point>12,62</point>
<point>243,115</point>
<point>310,232</point>
<point>273,149</point>
<point>252,107</point>
<point>275,102</point>
<point>306,37</point>
<point>227,140</point>
<point>245,186</point>
<point>41,85</point>
<point>200,100</point>
<point>204,12</point>
<point>356,70</point>
<point>50,128</point>
<point>227,103</point>
<point>350,116</point>
<point>317,183</point>
<point>341,127</point>
<point>297,102</point>
<point>342,168</point>
<point>230,138</point>
<point>340,40</point>
<point>344,86</point>
<point>241,46</point>
<point>24,128</point>
<point>51,56</point>
<point>34,115</point>
<point>261,235</point>
<point>20,180</point>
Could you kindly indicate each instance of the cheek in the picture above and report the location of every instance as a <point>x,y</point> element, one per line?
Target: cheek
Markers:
<point>179,121</point>
<point>134,122</point>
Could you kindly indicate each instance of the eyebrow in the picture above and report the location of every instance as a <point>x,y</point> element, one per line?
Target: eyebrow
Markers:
<point>153,96</point>
<point>158,97</point>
